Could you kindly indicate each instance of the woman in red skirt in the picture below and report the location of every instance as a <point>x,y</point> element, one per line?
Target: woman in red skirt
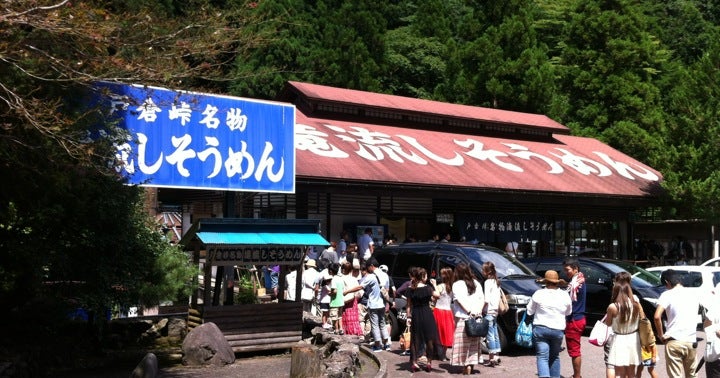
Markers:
<point>350,319</point>
<point>444,317</point>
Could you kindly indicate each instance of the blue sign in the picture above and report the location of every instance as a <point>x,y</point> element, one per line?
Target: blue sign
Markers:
<point>193,140</point>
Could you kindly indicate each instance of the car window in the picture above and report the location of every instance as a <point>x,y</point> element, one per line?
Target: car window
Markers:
<point>595,275</point>
<point>640,276</point>
<point>543,267</point>
<point>504,264</point>
<point>409,258</point>
<point>716,278</point>
<point>446,260</point>
<point>690,279</point>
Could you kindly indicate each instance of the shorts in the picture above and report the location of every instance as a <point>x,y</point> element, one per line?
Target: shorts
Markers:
<point>648,362</point>
<point>573,333</point>
<point>324,307</point>
<point>336,313</point>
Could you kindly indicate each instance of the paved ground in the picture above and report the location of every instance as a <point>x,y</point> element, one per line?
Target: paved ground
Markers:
<point>515,363</point>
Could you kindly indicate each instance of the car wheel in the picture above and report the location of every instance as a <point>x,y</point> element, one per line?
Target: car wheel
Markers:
<point>501,336</point>
<point>395,330</point>
<point>503,339</point>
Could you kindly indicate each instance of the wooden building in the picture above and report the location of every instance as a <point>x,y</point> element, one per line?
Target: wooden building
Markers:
<point>416,168</point>
<point>231,242</point>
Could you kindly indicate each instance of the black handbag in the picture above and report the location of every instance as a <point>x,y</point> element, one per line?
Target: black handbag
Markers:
<point>476,327</point>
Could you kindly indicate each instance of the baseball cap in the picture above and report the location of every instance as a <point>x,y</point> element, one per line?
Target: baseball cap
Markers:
<point>384,268</point>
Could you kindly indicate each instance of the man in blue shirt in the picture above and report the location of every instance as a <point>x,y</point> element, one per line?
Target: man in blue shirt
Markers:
<point>372,284</point>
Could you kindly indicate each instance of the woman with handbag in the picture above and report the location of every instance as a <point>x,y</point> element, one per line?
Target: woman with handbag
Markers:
<point>423,331</point>
<point>624,314</point>
<point>492,302</point>
<point>549,307</point>
<point>468,301</point>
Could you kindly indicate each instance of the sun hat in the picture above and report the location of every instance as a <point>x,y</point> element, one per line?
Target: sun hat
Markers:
<point>552,277</point>
<point>311,263</point>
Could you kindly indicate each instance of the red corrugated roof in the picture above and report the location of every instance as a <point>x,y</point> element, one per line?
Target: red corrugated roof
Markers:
<point>375,153</point>
<point>378,100</point>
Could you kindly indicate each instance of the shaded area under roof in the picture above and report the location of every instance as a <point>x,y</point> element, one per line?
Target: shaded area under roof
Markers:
<point>246,231</point>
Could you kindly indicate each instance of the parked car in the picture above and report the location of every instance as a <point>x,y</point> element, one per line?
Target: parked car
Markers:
<point>714,261</point>
<point>599,275</point>
<point>517,281</point>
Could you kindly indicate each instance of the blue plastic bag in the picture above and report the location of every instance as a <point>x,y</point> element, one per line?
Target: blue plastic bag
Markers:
<point>523,335</point>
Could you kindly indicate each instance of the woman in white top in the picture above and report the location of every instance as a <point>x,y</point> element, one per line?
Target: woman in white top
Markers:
<point>623,315</point>
<point>444,317</point>
<point>549,307</point>
<point>308,291</point>
<point>492,301</point>
<point>468,300</point>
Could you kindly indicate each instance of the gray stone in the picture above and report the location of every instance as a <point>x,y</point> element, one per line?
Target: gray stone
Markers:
<point>177,327</point>
<point>206,345</point>
<point>147,368</point>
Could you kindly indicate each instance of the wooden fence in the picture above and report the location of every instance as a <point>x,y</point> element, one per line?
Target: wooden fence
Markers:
<point>254,327</point>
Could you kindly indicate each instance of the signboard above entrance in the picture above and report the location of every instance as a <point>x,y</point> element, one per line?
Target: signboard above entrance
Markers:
<point>193,140</point>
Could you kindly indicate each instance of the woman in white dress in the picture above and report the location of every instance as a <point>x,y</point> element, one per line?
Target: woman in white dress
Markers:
<point>623,315</point>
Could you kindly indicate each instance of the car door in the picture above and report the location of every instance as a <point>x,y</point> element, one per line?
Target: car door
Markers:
<point>599,284</point>
<point>445,259</point>
<point>411,257</point>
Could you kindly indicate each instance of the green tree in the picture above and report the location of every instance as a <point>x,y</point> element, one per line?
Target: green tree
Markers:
<point>608,66</point>
<point>500,62</point>
<point>330,42</point>
<point>691,167</point>
<point>72,234</point>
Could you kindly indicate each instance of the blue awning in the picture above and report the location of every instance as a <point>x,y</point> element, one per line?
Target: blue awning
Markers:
<point>262,238</point>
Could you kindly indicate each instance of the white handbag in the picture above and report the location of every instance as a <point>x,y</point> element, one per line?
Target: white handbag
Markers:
<point>600,333</point>
<point>712,343</point>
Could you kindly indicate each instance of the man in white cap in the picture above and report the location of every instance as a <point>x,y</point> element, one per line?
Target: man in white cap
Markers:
<point>309,280</point>
<point>391,284</point>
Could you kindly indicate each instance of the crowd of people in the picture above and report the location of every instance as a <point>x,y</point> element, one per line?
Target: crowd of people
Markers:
<point>347,287</point>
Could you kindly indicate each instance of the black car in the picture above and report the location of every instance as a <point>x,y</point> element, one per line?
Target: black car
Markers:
<point>599,275</point>
<point>517,281</point>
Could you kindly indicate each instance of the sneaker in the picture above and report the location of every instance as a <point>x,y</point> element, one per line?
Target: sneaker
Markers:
<point>377,349</point>
<point>387,347</point>
<point>327,326</point>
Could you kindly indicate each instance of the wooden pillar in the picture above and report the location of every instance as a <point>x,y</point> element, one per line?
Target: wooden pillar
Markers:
<point>305,362</point>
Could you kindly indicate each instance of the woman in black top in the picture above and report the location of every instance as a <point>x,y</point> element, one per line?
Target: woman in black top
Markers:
<point>423,330</point>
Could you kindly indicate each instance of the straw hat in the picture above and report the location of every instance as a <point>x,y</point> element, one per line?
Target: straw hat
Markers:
<point>552,277</point>
<point>311,263</point>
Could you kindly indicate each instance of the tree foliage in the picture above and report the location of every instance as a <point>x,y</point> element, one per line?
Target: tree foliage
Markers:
<point>71,232</point>
<point>640,75</point>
